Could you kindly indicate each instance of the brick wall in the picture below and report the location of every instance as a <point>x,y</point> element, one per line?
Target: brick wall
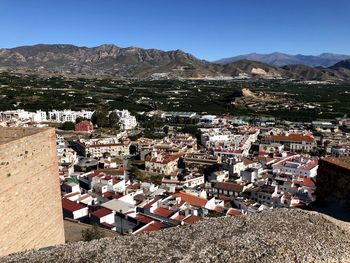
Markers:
<point>30,203</point>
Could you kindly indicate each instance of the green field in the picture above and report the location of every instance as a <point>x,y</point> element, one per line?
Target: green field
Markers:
<point>33,93</point>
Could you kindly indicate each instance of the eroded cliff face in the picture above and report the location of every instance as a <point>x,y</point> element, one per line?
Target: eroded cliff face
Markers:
<point>275,236</point>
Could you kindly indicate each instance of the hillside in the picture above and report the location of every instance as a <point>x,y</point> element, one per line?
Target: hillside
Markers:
<point>103,60</point>
<point>342,64</point>
<point>317,73</point>
<point>132,62</point>
<point>281,59</point>
<point>276,236</point>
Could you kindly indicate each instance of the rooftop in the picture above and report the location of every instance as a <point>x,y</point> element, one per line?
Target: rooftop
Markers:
<point>101,213</point>
<point>192,199</point>
<point>71,206</point>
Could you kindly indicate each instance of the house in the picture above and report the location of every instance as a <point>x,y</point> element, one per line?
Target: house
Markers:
<point>230,189</point>
<point>105,217</point>
<point>119,206</point>
<point>70,187</point>
<point>219,176</point>
<point>193,200</point>
<point>98,147</point>
<point>293,142</point>
<point>161,163</point>
<point>126,120</point>
<point>233,212</point>
<point>296,166</point>
<point>84,126</point>
<point>179,181</point>
<point>74,210</point>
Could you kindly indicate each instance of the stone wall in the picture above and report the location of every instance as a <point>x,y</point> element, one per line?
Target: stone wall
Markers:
<point>333,179</point>
<point>30,203</point>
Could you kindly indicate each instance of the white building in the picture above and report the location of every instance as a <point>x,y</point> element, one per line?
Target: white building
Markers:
<point>296,166</point>
<point>68,115</point>
<point>161,163</point>
<point>126,120</point>
<point>227,143</point>
<point>38,116</point>
<point>97,147</point>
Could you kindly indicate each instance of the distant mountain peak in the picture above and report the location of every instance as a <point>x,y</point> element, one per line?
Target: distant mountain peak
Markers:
<point>281,59</point>
<point>134,62</point>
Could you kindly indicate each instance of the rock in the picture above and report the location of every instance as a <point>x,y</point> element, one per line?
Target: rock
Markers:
<point>279,235</point>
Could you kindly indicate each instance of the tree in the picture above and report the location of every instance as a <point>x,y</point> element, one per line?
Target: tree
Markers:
<point>92,233</point>
<point>113,120</point>
<point>166,130</point>
<point>68,126</point>
<point>99,118</point>
<point>78,119</point>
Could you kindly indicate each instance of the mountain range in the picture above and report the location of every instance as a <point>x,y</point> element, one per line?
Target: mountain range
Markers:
<point>281,59</point>
<point>132,62</point>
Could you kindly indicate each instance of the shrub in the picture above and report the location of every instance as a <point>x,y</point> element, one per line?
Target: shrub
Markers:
<point>92,233</point>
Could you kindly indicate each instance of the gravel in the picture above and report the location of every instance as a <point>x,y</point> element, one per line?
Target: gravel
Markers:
<point>280,235</point>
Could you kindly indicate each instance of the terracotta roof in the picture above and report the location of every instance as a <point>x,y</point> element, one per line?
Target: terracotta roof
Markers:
<point>308,182</point>
<point>143,218</point>
<point>233,212</point>
<point>153,226</point>
<point>101,212</point>
<point>109,226</point>
<point>179,217</point>
<point>70,205</point>
<point>228,186</point>
<point>291,138</point>
<point>133,186</point>
<point>163,212</point>
<point>192,199</point>
<point>191,219</point>
<point>149,205</point>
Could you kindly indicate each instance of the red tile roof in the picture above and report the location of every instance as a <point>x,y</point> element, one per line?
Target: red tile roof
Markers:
<point>308,182</point>
<point>192,199</point>
<point>101,212</point>
<point>292,138</point>
<point>143,218</point>
<point>70,205</point>
<point>163,212</point>
<point>109,226</point>
<point>191,219</point>
<point>154,226</point>
<point>233,212</point>
<point>149,205</point>
<point>179,217</point>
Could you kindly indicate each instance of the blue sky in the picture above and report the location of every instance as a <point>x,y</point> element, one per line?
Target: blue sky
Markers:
<point>209,29</point>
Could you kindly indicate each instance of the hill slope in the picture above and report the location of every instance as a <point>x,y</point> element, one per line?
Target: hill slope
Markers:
<point>280,59</point>
<point>131,62</point>
<point>342,64</point>
<point>276,236</point>
<point>105,59</point>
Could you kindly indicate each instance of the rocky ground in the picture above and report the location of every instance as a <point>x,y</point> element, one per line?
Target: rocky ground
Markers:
<point>275,236</point>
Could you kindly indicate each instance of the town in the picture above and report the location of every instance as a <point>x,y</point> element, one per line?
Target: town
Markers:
<point>121,180</point>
